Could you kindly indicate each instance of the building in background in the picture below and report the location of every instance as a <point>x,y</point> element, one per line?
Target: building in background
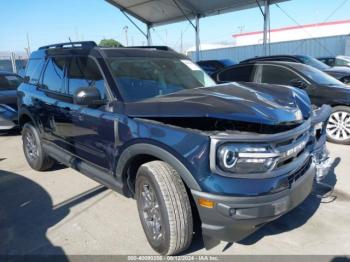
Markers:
<point>310,31</point>
<point>317,40</point>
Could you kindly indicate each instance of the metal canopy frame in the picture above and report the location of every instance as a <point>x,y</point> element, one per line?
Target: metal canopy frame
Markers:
<point>182,10</point>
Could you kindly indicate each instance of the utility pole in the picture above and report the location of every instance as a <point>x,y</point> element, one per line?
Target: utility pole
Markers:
<point>126,28</point>
<point>13,62</point>
<point>28,46</point>
<point>266,26</point>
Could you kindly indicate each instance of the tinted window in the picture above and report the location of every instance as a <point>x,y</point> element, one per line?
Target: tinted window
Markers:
<point>8,82</point>
<point>277,75</point>
<point>34,69</point>
<point>84,72</point>
<point>54,74</point>
<point>237,74</point>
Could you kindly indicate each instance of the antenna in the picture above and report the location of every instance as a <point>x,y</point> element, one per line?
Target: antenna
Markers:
<point>70,40</point>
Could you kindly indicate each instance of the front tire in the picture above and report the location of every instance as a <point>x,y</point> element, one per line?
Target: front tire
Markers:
<point>36,157</point>
<point>338,126</point>
<point>164,208</point>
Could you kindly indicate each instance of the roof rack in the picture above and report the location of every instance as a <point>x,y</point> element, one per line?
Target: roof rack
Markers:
<point>156,47</point>
<point>81,44</point>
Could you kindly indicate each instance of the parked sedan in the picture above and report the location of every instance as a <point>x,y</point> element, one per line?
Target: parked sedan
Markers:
<point>336,60</point>
<point>8,100</point>
<point>340,73</point>
<point>321,88</point>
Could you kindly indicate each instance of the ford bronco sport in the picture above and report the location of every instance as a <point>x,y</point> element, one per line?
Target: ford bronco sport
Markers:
<point>151,125</point>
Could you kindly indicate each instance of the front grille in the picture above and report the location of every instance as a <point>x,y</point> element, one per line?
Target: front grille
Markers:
<point>291,148</point>
<point>300,172</point>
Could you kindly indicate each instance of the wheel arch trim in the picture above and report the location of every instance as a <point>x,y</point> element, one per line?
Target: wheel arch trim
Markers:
<point>159,153</point>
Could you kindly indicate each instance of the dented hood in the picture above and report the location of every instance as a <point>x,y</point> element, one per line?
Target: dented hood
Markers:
<point>248,102</point>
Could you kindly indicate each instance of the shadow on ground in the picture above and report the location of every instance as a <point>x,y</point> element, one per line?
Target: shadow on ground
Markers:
<point>26,213</point>
<point>290,221</point>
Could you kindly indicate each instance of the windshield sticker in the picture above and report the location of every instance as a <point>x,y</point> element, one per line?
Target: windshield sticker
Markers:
<point>191,65</point>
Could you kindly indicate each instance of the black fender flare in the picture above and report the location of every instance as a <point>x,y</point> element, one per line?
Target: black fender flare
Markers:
<point>160,153</point>
<point>25,112</point>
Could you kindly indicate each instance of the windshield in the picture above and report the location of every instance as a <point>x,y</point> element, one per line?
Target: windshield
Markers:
<point>314,62</point>
<point>319,77</point>
<point>9,82</point>
<point>145,77</point>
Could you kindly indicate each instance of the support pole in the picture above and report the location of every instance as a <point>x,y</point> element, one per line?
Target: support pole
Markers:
<point>266,26</point>
<point>149,36</point>
<point>13,62</point>
<point>197,38</point>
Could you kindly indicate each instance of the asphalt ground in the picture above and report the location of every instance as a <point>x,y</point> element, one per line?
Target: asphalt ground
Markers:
<point>62,212</point>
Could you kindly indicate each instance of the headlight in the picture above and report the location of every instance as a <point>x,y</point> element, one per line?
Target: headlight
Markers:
<point>245,159</point>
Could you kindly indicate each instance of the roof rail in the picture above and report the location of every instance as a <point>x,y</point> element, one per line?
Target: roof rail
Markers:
<point>156,47</point>
<point>81,44</point>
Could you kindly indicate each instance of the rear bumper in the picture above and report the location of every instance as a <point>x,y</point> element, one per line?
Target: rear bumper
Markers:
<point>234,218</point>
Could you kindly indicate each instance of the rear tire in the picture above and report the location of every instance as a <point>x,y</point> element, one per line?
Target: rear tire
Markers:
<point>33,150</point>
<point>338,126</point>
<point>164,208</point>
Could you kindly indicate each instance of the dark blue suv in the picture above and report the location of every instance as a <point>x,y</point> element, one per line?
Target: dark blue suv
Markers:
<point>151,125</point>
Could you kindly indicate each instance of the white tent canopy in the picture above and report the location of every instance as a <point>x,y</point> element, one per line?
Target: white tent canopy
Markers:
<point>160,12</point>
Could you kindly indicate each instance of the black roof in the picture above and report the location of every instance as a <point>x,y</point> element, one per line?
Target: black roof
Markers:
<point>266,58</point>
<point>90,48</point>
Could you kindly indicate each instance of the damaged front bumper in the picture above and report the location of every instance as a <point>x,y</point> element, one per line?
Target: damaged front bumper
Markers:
<point>8,118</point>
<point>254,201</point>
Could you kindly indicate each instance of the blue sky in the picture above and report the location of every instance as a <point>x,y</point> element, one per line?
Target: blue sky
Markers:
<point>51,21</point>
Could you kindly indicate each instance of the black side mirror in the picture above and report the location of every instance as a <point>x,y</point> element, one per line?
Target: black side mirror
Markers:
<point>298,83</point>
<point>88,96</point>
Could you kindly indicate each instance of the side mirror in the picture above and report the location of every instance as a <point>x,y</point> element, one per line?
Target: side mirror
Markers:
<point>88,96</point>
<point>298,83</point>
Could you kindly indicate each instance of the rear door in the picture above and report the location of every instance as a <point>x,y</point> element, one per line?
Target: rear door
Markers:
<point>53,114</point>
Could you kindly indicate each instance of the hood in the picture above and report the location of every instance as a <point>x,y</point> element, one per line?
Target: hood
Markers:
<point>8,97</point>
<point>338,71</point>
<point>248,102</point>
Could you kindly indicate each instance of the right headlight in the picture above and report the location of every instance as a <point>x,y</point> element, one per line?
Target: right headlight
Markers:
<point>245,159</point>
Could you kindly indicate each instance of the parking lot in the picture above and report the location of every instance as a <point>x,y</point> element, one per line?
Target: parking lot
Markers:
<point>63,212</point>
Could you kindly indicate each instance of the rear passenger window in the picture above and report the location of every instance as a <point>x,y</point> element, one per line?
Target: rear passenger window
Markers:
<point>84,72</point>
<point>278,75</point>
<point>237,74</point>
<point>54,74</point>
<point>34,69</point>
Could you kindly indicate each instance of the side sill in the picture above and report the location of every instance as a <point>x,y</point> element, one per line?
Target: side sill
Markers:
<point>100,175</point>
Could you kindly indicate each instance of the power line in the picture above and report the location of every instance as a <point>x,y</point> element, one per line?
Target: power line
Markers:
<point>336,10</point>
<point>312,37</point>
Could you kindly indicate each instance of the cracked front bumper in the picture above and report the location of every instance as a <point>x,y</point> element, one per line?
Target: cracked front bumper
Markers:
<point>249,203</point>
<point>234,218</point>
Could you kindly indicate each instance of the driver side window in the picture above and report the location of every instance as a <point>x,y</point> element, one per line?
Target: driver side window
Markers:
<point>84,72</point>
<point>278,75</point>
